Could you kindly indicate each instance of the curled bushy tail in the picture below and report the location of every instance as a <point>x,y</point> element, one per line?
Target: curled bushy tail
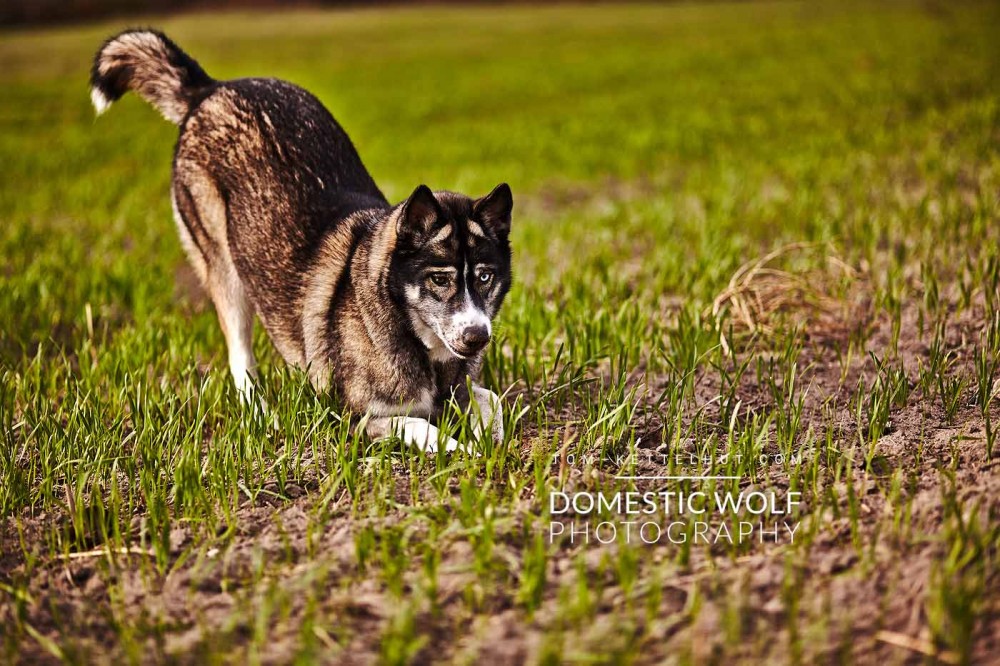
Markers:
<point>149,63</point>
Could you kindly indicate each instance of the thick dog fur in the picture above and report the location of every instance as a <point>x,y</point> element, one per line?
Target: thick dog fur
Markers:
<point>388,306</point>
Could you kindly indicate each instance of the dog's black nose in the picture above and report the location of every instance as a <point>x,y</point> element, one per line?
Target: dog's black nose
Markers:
<point>475,338</point>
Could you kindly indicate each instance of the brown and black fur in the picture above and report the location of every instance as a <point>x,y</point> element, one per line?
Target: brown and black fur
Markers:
<point>281,219</point>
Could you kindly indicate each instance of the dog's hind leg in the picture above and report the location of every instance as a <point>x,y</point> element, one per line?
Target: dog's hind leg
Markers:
<point>236,318</point>
<point>200,216</point>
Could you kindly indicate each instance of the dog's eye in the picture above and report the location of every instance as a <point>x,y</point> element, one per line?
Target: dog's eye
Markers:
<point>485,276</point>
<point>440,279</point>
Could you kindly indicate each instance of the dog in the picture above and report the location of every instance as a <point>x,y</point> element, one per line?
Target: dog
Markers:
<point>389,307</point>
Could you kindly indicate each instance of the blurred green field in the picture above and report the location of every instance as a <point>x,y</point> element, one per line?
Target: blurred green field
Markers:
<point>653,151</point>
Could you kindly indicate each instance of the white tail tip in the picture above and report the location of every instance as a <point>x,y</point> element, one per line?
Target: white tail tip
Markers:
<point>101,103</point>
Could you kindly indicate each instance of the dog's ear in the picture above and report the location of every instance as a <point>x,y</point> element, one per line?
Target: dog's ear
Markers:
<point>418,216</point>
<point>494,209</point>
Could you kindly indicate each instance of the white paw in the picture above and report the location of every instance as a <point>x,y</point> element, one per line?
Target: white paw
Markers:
<point>423,435</point>
<point>487,413</point>
<point>450,445</point>
<point>251,399</point>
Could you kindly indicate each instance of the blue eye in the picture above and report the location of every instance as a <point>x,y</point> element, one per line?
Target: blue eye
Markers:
<point>485,276</point>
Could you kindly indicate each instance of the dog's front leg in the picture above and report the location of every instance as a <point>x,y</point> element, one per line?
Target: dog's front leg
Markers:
<point>487,413</point>
<point>417,432</point>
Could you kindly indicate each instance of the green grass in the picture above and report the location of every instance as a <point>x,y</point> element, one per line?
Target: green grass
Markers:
<point>656,154</point>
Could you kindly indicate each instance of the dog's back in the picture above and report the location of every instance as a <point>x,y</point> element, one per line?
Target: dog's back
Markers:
<point>285,172</point>
<point>261,170</point>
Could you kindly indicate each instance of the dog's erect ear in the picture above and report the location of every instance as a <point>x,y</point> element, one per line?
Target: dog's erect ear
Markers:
<point>418,216</point>
<point>494,209</point>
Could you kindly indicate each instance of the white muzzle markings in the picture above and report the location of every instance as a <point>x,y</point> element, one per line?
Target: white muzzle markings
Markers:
<point>468,317</point>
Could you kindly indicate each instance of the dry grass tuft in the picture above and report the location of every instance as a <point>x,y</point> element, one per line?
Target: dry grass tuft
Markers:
<point>760,291</point>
